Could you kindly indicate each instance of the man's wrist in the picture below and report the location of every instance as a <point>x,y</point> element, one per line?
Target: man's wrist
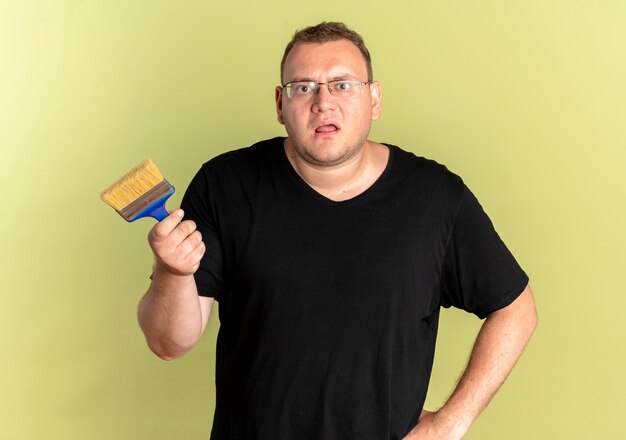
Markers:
<point>165,270</point>
<point>165,278</point>
<point>455,423</point>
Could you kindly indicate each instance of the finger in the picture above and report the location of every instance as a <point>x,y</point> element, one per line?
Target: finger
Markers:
<point>183,230</point>
<point>195,238</point>
<point>190,244</point>
<point>168,224</point>
<point>182,233</point>
<point>195,256</point>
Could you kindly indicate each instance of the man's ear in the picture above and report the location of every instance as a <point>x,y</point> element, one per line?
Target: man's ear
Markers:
<point>377,98</point>
<point>278,96</point>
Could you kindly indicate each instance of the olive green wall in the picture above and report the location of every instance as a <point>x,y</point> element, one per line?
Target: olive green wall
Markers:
<point>525,100</point>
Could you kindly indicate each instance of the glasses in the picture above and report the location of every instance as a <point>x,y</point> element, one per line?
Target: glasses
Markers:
<point>341,89</point>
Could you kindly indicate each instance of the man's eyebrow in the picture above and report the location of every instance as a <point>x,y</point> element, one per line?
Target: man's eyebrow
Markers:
<point>340,77</point>
<point>302,79</point>
<point>343,76</point>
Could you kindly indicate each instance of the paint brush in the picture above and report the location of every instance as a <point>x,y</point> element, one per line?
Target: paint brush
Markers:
<point>142,192</point>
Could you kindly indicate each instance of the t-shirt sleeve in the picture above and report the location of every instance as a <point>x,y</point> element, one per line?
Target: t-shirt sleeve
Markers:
<point>197,206</point>
<point>480,275</point>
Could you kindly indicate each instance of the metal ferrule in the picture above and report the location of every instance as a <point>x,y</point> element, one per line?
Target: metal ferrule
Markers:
<point>155,194</point>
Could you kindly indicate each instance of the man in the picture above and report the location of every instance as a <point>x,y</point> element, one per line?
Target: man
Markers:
<point>331,256</point>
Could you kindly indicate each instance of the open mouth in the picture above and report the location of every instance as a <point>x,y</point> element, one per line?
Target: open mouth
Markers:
<point>327,128</point>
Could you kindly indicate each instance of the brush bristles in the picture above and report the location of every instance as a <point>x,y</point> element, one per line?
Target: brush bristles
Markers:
<point>133,185</point>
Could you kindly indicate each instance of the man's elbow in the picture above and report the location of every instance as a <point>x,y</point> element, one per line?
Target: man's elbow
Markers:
<point>527,310</point>
<point>522,313</point>
<point>166,346</point>
<point>534,318</point>
<point>167,353</point>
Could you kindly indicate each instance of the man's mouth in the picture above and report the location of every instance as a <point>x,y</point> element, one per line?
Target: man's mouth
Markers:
<point>327,128</point>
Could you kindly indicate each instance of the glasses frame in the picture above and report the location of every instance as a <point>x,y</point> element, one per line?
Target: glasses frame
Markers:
<point>318,85</point>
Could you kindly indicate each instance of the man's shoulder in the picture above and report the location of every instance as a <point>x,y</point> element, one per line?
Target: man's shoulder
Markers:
<point>424,171</point>
<point>237,170</point>
<point>249,155</point>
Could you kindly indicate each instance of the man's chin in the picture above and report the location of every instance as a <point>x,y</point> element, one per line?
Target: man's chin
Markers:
<point>330,157</point>
<point>325,151</point>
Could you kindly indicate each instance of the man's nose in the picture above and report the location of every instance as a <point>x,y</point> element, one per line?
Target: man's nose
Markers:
<point>323,99</point>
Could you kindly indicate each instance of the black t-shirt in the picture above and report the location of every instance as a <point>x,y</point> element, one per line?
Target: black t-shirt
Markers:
<point>329,310</point>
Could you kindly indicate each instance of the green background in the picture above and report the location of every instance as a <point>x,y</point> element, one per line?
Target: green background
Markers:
<point>525,100</point>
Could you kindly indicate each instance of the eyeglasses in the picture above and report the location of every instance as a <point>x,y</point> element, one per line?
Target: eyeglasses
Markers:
<point>341,89</point>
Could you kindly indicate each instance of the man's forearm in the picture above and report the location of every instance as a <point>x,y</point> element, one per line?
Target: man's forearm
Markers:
<point>170,314</point>
<point>498,346</point>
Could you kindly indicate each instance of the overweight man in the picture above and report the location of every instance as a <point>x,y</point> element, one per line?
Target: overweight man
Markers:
<point>331,256</point>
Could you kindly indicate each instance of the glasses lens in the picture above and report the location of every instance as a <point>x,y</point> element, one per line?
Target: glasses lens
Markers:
<point>341,89</point>
<point>345,89</point>
<point>301,89</point>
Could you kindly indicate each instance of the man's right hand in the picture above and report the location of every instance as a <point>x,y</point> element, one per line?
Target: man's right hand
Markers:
<point>171,314</point>
<point>177,245</point>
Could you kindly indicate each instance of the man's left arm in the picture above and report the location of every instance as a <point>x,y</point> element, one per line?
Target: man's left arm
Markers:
<point>499,344</point>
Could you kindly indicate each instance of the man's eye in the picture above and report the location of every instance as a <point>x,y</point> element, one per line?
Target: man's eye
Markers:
<point>303,89</point>
<point>343,86</point>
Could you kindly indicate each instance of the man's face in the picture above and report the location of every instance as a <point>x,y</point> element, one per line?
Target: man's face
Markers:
<point>327,130</point>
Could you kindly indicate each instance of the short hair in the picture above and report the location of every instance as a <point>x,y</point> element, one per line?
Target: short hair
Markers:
<point>325,32</point>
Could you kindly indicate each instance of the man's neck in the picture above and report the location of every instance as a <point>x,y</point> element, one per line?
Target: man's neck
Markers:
<point>345,180</point>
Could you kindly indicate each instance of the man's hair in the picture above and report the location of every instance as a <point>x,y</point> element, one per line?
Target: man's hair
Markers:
<point>325,32</point>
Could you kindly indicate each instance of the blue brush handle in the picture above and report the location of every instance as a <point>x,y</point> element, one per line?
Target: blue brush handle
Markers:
<point>155,210</point>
